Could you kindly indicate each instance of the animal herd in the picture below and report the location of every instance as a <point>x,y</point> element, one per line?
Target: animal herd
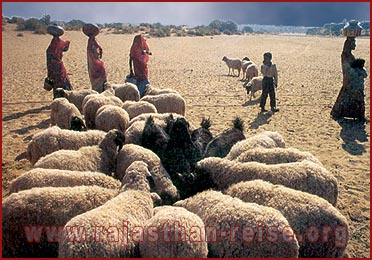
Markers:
<point>143,173</point>
<point>253,82</point>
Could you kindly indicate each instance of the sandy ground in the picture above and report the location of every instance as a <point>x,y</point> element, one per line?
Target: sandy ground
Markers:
<point>309,81</point>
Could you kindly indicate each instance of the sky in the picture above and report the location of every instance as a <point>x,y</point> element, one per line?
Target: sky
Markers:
<point>194,13</point>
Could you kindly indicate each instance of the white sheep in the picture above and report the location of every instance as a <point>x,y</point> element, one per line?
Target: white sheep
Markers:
<point>117,220</point>
<point>43,212</point>
<point>134,108</point>
<point>238,229</point>
<point>276,156</point>
<point>251,72</point>
<point>75,97</point>
<point>305,175</point>
<point>233,64</point>
<point>157,91</point>
<point>54,138</point>
<point>162,182</point>
<point>304,212</point>
<point>126,91</point>
<point>179,232</point>
<point>111,117</point>
<point>99,158</point>
<point>62,112</point>
<point>93,102</point>
<point>167,103</point>
<point>61,178</point>
<point>245,64</point>
<point>254,85</point>
<point>266,139</point>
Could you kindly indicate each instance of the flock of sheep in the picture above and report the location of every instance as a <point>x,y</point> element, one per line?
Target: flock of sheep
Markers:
<point>250,73</point>
<point>118,162</point>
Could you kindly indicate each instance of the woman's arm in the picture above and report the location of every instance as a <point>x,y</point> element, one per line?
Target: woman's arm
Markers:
<point>66,45</point>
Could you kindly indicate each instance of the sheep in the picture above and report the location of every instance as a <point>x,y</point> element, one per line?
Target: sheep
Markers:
<point>134,108</point>
<point>202,136</point>
<point>266,139</point>
<point>162,182</point>
<point>254,85</point>
<point>99,158</point>
<point>77,124</point>
<point>222,143</point>
<point>75,97</point>
<point>179,233</point>
<point>111,117</point>
<point>305,175</point>
<point>154,137</point>
<point>157,91</point>
<point>93,102</point>
<point>127,91</point>
<point>180,156</point>
<point>62,112</point>
<point>117,221</point>
<point>251,72</point>
<point>54,138</point>
<point>304,212</point>
<point>167,103</point>
<point>158,117</point>
<point>245,63</point>
<point>233,64</point>
<point>61,178</point>
<point>276,156</point>
<point>133,135</point>
<point>238,229</point>
<point>43,212</point>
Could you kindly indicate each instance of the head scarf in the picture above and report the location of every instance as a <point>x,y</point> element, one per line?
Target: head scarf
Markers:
<point>136,51</point>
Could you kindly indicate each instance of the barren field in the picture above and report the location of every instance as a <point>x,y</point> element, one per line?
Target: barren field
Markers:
<point>309,81</point>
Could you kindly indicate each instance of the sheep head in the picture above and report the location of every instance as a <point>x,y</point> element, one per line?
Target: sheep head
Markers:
<point>77,124</point>
<point>119,139</point>
<point>60,93</point>
<point>248,87</point>
<point>113,138</point>
<point>154,136</point>
<point>224,58</point>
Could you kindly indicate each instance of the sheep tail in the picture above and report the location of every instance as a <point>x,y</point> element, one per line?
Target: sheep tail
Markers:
<point>238,124</point>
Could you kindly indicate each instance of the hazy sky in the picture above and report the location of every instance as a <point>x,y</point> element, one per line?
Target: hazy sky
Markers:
<point>197,13</point>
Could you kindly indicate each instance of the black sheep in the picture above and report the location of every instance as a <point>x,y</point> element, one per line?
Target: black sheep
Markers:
<point>202,136</point>
<point>220,146</point>
<point>154,137</point>
<point>181,156</point>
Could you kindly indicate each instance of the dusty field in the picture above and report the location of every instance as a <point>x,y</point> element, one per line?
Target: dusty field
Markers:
<point>309,81</point>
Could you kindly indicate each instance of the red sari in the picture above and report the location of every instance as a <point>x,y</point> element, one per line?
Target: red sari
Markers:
<point>96,67</point>
<point>139,58</point>
<point>56,70</point>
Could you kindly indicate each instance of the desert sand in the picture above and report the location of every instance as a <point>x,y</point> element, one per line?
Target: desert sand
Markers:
<point>309,81</point>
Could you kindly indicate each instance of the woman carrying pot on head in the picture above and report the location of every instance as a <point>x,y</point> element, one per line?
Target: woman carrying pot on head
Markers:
<point>138,59</point>
<point>96,67</point>
<point>57,75</point>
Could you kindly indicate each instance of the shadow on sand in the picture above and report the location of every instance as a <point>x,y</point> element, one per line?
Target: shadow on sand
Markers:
<point>352,132</point>
<point>261,119</point>
<point>27,112</point>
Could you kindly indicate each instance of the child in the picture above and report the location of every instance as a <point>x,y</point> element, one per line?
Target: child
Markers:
<point>269,82</point>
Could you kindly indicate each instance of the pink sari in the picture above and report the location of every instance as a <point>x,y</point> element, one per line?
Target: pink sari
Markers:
<point>96,67</point>
<point>140,59</point>
<point>56,70</point>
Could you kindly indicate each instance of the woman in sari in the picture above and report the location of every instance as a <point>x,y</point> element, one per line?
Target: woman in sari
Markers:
<point>57,75</point>
<point>138,58</point>
<point>96,67</point>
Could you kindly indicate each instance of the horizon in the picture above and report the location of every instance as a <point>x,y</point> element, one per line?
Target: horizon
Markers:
<point>194,13</point>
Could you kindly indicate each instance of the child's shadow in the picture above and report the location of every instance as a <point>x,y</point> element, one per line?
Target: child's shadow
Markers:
<point>261,119</point>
